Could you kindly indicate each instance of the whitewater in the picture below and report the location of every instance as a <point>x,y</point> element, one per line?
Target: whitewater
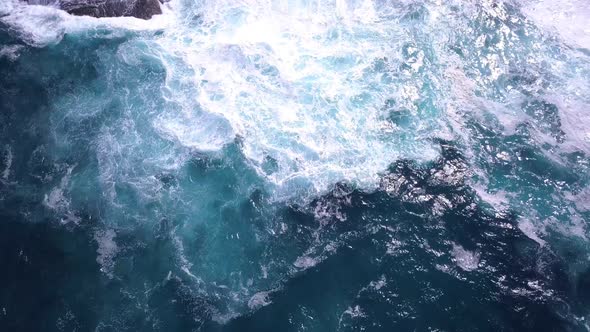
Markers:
<point>218,166</point>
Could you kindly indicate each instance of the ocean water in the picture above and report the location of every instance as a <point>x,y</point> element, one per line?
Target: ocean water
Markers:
<point>296,165</point>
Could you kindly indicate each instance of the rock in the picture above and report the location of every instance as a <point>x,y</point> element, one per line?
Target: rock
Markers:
<point>143,9</point>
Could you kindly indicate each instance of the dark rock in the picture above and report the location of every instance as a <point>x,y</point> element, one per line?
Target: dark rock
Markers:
<point>143,9</point>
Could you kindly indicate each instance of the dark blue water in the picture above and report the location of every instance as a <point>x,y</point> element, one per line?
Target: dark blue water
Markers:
<point>296,166</point>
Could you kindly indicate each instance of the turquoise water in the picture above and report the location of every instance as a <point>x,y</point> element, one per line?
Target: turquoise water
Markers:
<point>296,165</point>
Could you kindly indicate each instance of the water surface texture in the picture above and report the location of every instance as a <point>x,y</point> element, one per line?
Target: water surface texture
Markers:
<point>296,165</point>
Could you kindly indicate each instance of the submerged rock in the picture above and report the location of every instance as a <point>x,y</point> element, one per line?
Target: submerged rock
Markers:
<point>143,9</point>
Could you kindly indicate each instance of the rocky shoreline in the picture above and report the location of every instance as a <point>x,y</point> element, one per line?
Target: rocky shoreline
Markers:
<point>143,9</point>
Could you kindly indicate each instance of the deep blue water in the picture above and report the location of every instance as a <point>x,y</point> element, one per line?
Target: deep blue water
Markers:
<point>296,166</point>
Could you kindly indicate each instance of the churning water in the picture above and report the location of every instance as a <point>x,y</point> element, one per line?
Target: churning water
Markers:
<point>296,165</point>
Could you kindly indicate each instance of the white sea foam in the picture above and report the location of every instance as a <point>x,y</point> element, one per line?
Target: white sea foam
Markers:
<point>354,312</point>
<point>44,25</point>
<point>581,200</point>
<point>305,262</point>
<point>107,250</point>
<point>36,25</point>
<point>11,52</point>
<point>58,200</point>
<point>202,132</point>
<point>532,231</point>
<point>567,18</point>
<point>258,300</point>
<point>465,259</point>
<point>299,83</point>
<point>7,162</point>
<point>303,83</point>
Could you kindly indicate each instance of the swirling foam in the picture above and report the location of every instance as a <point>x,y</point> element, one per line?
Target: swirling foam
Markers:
<point>307,86</point>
